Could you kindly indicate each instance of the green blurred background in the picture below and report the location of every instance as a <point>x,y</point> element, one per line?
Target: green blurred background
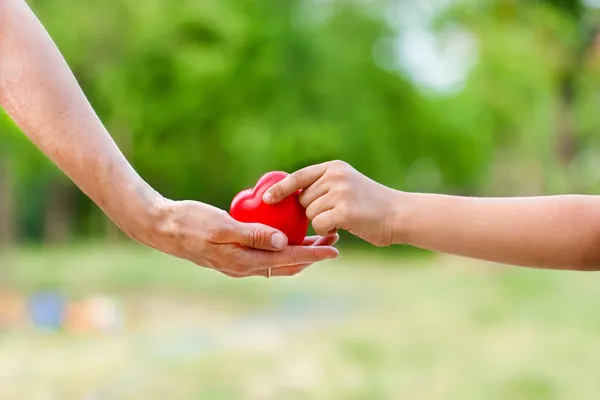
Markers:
<point>479,97</point>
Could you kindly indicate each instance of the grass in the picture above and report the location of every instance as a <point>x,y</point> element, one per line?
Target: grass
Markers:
<point>362,327</point>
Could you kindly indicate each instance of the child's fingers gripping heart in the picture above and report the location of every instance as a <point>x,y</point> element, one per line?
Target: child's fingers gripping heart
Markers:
<point>320,205</point>
<point>298,180</point>
<point>314,192</point>
<point>327,223</point>
<point>337,196</point>
<point>316,183</point>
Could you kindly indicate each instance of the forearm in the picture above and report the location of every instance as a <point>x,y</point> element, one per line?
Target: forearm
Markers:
<point>555,232</point>
<point>38,90</point>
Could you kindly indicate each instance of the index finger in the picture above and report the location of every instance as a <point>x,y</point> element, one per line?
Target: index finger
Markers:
<point>298,180</point>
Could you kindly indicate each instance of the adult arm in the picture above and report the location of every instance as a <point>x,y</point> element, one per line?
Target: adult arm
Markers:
<point>40,93</point>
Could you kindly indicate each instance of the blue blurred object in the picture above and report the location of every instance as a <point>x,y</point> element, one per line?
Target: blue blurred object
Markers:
<point>47,310</point>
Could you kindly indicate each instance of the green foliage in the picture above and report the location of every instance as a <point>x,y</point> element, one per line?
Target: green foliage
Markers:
<point>205,96</point>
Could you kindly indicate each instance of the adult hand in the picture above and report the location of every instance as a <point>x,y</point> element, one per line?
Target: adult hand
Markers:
<point>40,93</point>
<point>209,237</point>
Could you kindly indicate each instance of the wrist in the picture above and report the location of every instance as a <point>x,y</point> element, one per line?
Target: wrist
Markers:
<point>403,204</point>
<point>143,213</point>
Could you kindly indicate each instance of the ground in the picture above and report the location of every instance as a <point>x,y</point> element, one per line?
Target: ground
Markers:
<point>362,327</point>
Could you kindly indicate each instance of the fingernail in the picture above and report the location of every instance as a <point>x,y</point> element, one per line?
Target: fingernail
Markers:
<point>277,241</point>
<point>267,197</point>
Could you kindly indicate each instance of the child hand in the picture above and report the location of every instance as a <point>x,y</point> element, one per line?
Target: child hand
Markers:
<point>337,196</point>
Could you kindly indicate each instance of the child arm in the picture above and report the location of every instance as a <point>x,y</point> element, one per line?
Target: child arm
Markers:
<point>553,232</point>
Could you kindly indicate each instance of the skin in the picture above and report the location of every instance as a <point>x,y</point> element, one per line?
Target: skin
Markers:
<point>552,232</point>
<point>40,93</point>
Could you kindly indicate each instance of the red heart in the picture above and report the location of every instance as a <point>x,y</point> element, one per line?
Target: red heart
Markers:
<point>288,216</point>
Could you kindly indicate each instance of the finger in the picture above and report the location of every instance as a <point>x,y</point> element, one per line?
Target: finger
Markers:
<point>329,240</point>
<point>320,240</point>
<point>325,223</point>
<point>275,272</point>
<point>290,256</point>
<point>313,192</point>
<point>319,206</point>
<point>289,185</point>
<point>255,236</point>
<point>283,271</point>
<point>311,240</point>
<point>289,271</point>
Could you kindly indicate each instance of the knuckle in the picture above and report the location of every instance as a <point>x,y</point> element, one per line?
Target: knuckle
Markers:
<point>342,210</point>
<point>305,203</point>
<point>294,257</point>
<point>304,199</point>
<point>277,190</point>
<point>339,170</point>
<point>338,164</point>
<point>311,255</point>
<point>342,188</point>
<point>320,228</point>
<point>221,214</point>
<point>297,178</point>
<point>321,231</point>
<point>258,237</point>
<point>299,175</point>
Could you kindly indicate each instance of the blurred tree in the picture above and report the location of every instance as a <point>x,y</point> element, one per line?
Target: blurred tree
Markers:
<point>8,184</point>
<point>531,57</point>
<point>7,196</point>
<point>205,96</point>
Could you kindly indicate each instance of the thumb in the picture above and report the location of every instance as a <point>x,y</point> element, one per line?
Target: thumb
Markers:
<point>259,236</point>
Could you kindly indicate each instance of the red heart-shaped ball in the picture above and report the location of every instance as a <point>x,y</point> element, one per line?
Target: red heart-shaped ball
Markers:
<point>288,216</point>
